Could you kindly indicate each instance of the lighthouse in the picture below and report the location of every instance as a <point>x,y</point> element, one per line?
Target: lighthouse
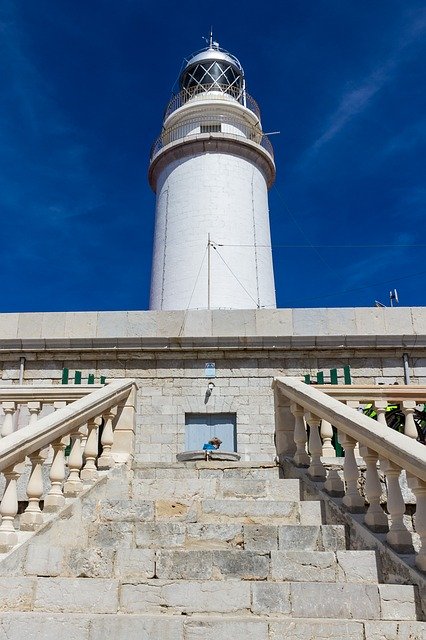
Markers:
<point>211,169</point>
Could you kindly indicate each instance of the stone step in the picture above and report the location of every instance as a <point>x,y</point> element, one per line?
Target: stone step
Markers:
<point>43,626</point>
<point>218,488</point>
<point>187,597</point>
<point>190,564</point>
<point>206,510</point>
<point>252,537</point>
<point>194,470</point>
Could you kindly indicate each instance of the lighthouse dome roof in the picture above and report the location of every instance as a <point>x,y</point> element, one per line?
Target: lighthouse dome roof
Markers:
<point>212,69</point>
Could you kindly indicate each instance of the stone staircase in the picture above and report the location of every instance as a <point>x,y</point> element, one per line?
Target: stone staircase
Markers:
<point>197,551</point>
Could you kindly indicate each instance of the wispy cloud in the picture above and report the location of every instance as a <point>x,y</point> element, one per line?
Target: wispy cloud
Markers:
<point>355,100</point>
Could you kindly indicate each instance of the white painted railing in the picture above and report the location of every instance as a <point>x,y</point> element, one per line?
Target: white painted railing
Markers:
<point>298,404</point>
<point>111,407</point>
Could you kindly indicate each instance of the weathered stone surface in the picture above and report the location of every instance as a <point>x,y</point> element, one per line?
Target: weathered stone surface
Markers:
<point>70,595</point>
<point>322,600</point>
<point>246,565</point>
<point>91,563</point>
<point>317,630</point>
<point>260,537</point>
<point>160,534</point>
<point>270,599</point>
<point>16,594</point>
<point>132,564</point>
<point>214,535</point>
<point>187,597</point>
<point>357,566</point>
<point>126,510</point>
<point>112,534</point>
<point>136,628</point>
<point>183,489</point>
<point>333,537</point>
<point>383,630</point>
<point>310,512</point>
<point>43,626</point>
<point>184,565</point>
<point>250,511</point>
<point>44,560</point>
<point>398,602</point>
<point>298,537</point>
<point>256,488</point>
<point>213,629</point>
<point>178,510</point>
<point>306,566</point>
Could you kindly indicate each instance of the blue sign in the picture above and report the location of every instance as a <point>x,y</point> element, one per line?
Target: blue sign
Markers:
<point>210,370</point>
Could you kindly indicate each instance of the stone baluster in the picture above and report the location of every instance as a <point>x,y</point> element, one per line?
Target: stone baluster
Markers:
<point>398,536</point>
<point>34,409</point>
<point>32,516</point>
<point>301,457</point>
<point>334,484</point>
<point>89,472</point>
<point>352,499</point>
<point>380,407</point>
<point>418,487</point>
<point>55,499</point>
<point>106,461</point>
<point>9,409</point>
<point>408,408</point>
<point>9,508</point>
<point>375,518</point>
<point>326,432</point>
<point>316,469</point>
<point>73,486</point>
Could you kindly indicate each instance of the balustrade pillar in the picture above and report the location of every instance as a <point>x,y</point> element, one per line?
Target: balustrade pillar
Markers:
<point>408,408</point>
<point>9,409</point>
<point>375,518</point>
<point>9,509</point>
<point>55,499</point>
<point>316,469</point>
<point>380,407</point>
<point>34,409</point>
<point>418,487</point>
<point>352,499</point>
<point>300,458</point>
<point>326,432</point>
<point>284,425</point>
<point>73,486</point>
<point>89,472</point>
<point>354,404</point>
<point>106,461</point>
<point>32,516</point>
<point>398,536</point>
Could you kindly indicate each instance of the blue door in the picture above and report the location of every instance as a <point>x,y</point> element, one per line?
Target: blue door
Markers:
<point>202,427</point>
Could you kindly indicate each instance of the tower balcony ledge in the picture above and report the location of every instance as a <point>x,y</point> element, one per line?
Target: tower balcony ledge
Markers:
<point>211,106</point>
<point>260,154</point>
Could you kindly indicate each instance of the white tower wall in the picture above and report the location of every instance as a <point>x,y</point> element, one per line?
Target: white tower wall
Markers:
<point>211,169</point>
<point>220,194</point>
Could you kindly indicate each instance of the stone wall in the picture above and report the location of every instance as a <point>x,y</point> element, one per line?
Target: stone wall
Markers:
<point>169,363</point>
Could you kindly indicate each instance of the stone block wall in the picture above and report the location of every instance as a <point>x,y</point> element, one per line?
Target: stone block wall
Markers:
<point>168,363</point>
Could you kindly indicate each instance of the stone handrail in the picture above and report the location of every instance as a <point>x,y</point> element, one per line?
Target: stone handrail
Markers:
<point>298,405</point>
<point>111,408</point>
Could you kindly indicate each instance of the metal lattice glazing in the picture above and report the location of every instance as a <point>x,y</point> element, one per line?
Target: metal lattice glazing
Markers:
<point>213,75</point>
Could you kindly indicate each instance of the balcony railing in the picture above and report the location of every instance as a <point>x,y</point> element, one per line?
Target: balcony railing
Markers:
<point>212,124</point>
<point>212,93</point>
<point>298,405</point>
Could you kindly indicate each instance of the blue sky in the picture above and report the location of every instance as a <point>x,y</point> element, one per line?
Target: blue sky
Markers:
<point>83,89</point>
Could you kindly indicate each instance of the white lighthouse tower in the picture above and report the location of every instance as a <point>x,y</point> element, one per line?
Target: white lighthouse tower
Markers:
<point>211,169</point>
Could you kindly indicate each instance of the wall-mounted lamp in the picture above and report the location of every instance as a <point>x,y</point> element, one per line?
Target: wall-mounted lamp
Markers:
<point>209,392</point>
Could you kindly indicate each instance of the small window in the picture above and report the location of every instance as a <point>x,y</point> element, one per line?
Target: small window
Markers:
<point>210,128</point>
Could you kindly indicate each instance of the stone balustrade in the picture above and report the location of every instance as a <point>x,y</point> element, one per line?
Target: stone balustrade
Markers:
<point>298,405</point>
<point>79,415</point>
<point>379,397</point>
<point>24,404</point>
